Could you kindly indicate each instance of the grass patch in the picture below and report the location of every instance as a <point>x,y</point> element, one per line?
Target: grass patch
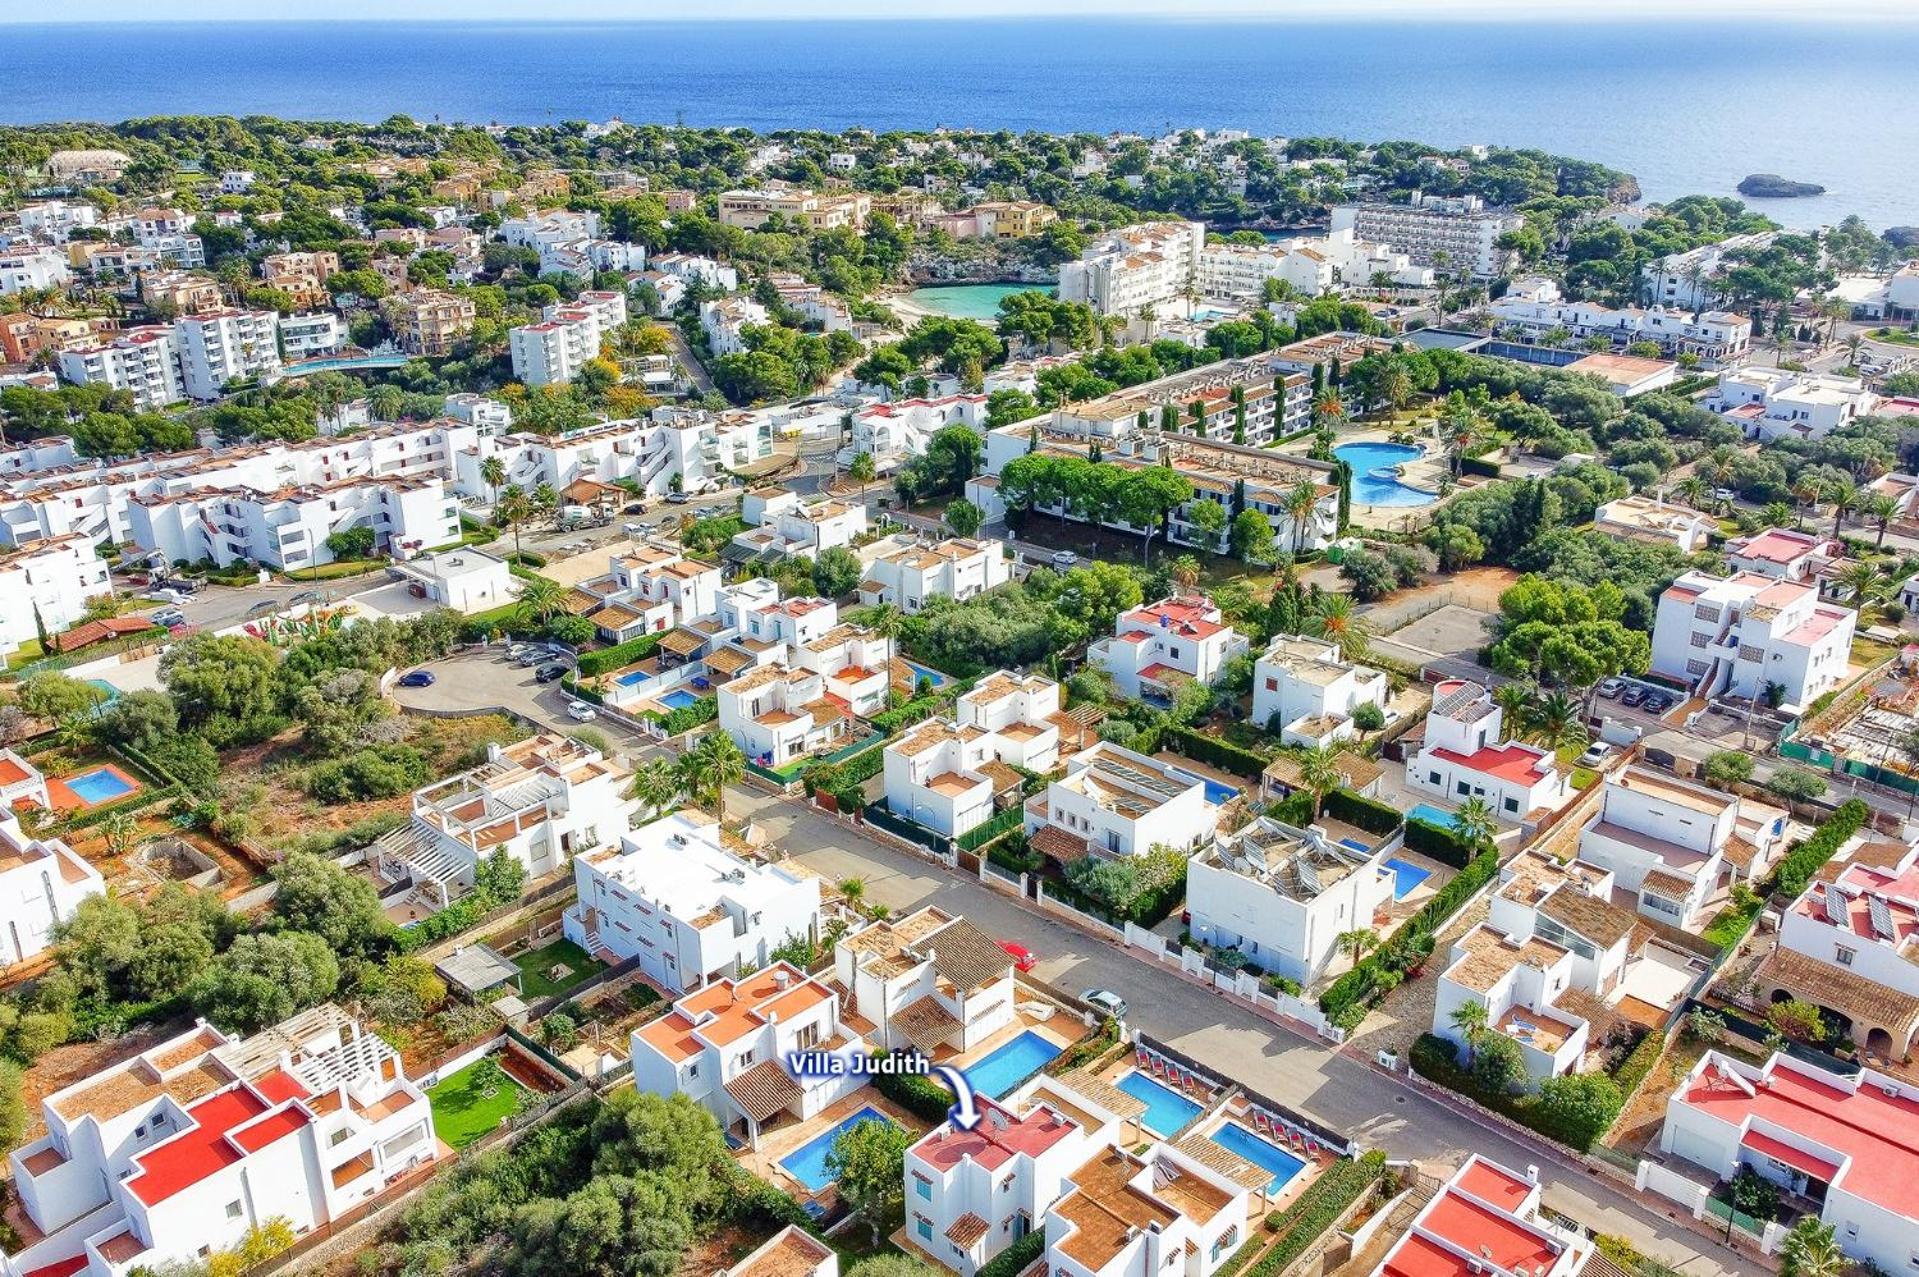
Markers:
<point>335,570</point>
<point>536,967</point>
<point>1583,777</point>
<point>462,1113</point>
<point>1867,651</point>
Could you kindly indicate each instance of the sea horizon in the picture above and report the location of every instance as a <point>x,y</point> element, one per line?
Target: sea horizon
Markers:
<point>1687,106</point>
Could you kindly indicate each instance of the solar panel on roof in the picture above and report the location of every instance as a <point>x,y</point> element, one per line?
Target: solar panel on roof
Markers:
<point>1881,917</point>
<point>1834,904</point>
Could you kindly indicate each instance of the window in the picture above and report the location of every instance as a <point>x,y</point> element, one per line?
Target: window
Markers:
<point>1700,638</point>
<point>924,1227</point>
<point>1272,685</point>
<point>693,1069</point>
<point>233,1210</point>
<point>922,1186</point>
<point>338,1137</point>
<point>1432,778</point>
<point>1844,956</point>
<point>1697,667</point>
<point>1511,804</point>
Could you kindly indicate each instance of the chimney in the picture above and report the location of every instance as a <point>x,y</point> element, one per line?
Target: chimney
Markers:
<point>1532,1174</point>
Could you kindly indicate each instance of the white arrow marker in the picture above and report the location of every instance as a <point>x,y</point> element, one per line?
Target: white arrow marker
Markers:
<point>964,1113</point>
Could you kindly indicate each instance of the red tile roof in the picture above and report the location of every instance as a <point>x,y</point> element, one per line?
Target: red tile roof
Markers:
<point>1521,764</point>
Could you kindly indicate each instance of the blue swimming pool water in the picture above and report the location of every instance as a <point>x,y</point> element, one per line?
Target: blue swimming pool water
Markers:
<point>1406,877</point>
<point>1374,482</point>
<point>1006,1068</point>
<point>922,672</point>
<point>1219,795</point>
<point>1263,1153</point>
<point>679,698</point>
<point>98,786</point>
<point>1166,1109</point>
<point>1433,816</point>
<point>1354,843</point>
<point>631,677</point>
<point>807,1163</point>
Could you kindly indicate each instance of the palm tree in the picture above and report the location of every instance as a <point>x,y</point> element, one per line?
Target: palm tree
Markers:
<point>656,785</point>
<point>723,764</point>
<point>1359,942</point>
<point>1845,499</point>
<point>1811,1251</point>
<point>1470,1019</point>
<point>1863,582</point>
<point>1692,490</point>
<point>863,472</point>
<point>546,499</point>
<point>1319,773</point>
<point>541,597</point>
<point>1514,701</point>
<point>1778,514</point>
<point>493,474</point>
<point>1184,572</point>
<point>512,508</point>
<point>1882,509</point>
<point>1809,489</point>
<point>119,829</point>
<point>854,889</point>
<point>1335,621</point>
<point>1556,721</point>
<point>1300,501</point>
<point>387,402</point>
<point>1473,820</point>
<point>1458,428</point>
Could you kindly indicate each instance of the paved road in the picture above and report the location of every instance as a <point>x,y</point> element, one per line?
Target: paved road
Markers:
<point>1345,1093</point>
<point>472,680</point>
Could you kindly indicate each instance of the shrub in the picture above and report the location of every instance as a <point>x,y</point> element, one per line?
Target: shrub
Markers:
<point>1346,999</point>
<point>917,1094</point>
<point>1368,814</point>
<point>1440,843</point>
<point>1797,869</point>
<point>907,713</point>
<point>1016,1258</point>
<point>378,771</point>
<point>618,656</point>
<point>1214,752</point>
<point>1317,1209</point>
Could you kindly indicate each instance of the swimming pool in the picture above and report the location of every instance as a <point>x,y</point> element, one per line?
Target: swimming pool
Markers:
<point>1375,479</point>
<point>807,1163</point>
<point>924,673</point>
<point>631,677</point>
<point>1433,816</point>
<point>679,698</point>
<point>1218,793</point>
<point>1166,1109</point>
<point>1263,1153</point>
<point>1406,877</point>
<point>1010,1065</point>
<point>101,785</point>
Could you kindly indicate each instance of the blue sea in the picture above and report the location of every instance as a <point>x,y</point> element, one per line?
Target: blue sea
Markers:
<point>1685,106</point>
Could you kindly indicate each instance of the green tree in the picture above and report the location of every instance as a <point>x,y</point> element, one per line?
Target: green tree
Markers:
<point>1208,517</point>
<point>318,896</point>
<point>869,1161</point>
<point>1726,768</point>
<point>54,696</point>
<point>1474,822</point>
<point>540,598</point>
<point>1579,1107</point>
<point>963,517</point>
<point>1358,942</point>
<point>229,676</point>
<point>1252,537</point>
<point>1471,1019</point>
<point>1811,1251</point>
<point>1499,1068</point>
<point>263,979</point>
<point>1319,776</point>
<point>836,572</point>
<point>493,474</point>
<point>862,471</point>
<point>512,507</point>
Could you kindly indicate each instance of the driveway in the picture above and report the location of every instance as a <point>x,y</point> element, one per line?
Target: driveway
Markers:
<point>1346,1093</point>
<point>485,679</point>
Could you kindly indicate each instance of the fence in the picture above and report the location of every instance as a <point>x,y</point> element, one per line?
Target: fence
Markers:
<point>1241,985</point>
<point>876,813</point>
<point>1048,900</point>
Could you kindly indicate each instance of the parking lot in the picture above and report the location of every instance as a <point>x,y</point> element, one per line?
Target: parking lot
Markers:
<point>487,679</point>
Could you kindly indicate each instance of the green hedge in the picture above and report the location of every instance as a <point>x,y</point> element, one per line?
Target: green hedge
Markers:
<point>1368,814</point>
<point>846,779</point>
<point>1632,1071</point>
<point>619,655</point>
<point>1018,1257</point>
<point>917,1094</point>
<point>1347,998</point>
<point>1797,869</point>
<point>1436,1058</point>
<point>1479,466</point>
<point>1439,842</point>
<point>1148,911</point>
<point>980,835</point>
<point>687,717</point>
<point>1318,1209</point>
<point>1014,853</point>
<point>907,713</point>
<point>1214,752</point>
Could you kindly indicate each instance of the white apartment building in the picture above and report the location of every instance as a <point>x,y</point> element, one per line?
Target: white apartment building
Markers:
<point>224,346</point>
<point>1670,843</point>
<point>1462,756</point>
<point>32,268</point>
<point>143,361</point>
<point>1768,403</point>
<point>1848,944</point>
<point>691,266</point>
<point>777,715</point>
<point>55,221</point>
<point>551,226</point>
<point>47,584</point>
<point>1487,1219</point>
<point>1739,635</point>
<point>1716,336</point>
<point>780,523</point>
<point>1152,265</point>
<point>954,776</point>
<point>726,1044</point>
<point>1156,646</point>
<point>1552,956</point>
<point>1694,280</point>
<point>650,575</point>
<point>1237,273</point>
<point>543,801</point>
<point>1307,692</point>
<point>42,880</point>
<point>150,224</point>
<point>955,568</point>
<point>288,528</point>
<point>468,580</point>
<point>1459,235</point>
<point>930,982</point>
<point>184,1148</point>
<point>726,320</point>
<point>1782,554</point>
<point>587,257</point>
<point>670,894</point>
<point>1115,802</point>
<point>894,433</point>
<point>1283,896</point>
<point>237,181</point>
<point>569,334</point>
<point>1652,519</point>
<point>312,336</point>
<point>1845,1141</point>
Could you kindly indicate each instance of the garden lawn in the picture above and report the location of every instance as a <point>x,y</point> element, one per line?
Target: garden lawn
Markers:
<point>536,966</point>
<point>462,1115</point>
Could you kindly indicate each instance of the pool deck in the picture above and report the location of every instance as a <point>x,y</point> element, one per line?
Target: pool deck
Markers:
<point>1062,1030</point>
<point>777,1142</point>
<point>63,799</point>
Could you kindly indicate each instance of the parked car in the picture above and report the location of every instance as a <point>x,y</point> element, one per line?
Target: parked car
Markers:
<point>1657,703</point>
<point>170,597</point>
<point>1596,753</point>
<point>1633,695</point>
<point>180,585</point>
<point>169,617</point>
<point>1023,959</point>
<point>678,498</point>
<point>1612,687</point>
<point>1064,558</point>
<point>1105,1001</point>
<point>548,673</point>
<point>531,656</point>
<point>417,678</point>
<point>309,596</point>
<point>579,711</point>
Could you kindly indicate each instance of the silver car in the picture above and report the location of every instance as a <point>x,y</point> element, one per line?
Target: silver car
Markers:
<point>1105,1001</point>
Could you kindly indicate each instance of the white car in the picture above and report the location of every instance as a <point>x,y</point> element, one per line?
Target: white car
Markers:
<point>1064,558</point>
<point>579,711</point>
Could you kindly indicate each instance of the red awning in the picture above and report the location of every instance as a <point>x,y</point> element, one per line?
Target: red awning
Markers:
<point>1798,1159</point>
